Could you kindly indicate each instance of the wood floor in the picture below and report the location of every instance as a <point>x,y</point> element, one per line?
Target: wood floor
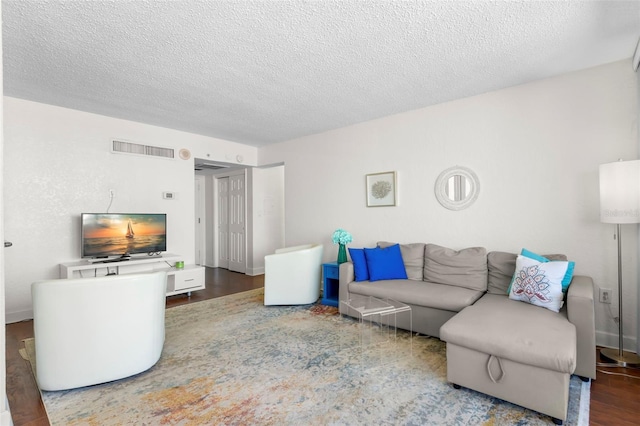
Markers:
<point>615,399</point>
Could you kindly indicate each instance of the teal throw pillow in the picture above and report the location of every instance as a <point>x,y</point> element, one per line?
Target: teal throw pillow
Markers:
<point>566,280</point>
<point>532,255</point>
<point>359,264</point>
<point>385,263</point>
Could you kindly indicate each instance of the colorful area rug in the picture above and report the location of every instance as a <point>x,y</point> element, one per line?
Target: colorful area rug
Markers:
<point>233,361</point>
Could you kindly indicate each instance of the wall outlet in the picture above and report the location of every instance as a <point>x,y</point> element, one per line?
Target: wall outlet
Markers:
<point>605,295</point>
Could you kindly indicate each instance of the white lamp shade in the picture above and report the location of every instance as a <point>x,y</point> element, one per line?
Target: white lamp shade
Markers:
<point>620,192</point>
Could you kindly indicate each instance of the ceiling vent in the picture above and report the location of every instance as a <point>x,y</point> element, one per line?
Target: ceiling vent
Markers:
<point>209,166</point>
<point>122,147</point>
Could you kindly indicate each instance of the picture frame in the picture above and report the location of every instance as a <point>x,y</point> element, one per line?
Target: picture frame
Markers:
<point>381,189</point>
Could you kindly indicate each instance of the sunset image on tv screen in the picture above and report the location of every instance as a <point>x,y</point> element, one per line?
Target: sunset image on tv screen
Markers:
<point>110,234</point>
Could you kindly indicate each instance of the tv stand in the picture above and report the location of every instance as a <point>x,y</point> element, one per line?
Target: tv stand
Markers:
<point>186,280</point>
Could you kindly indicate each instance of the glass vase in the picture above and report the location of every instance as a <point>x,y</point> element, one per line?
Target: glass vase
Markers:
<point>342,254</point>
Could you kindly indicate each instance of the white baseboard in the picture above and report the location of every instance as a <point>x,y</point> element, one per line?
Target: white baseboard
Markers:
<point>249,271</point>
<point>610,340</point>
<point>11,317</point>
<point>255,271</point>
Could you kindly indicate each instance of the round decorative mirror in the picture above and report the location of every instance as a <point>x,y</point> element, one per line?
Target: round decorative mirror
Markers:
<point>457,188</point>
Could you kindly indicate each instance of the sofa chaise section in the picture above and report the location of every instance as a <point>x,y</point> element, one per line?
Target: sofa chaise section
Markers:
<point>518,352</point>
<point>578,308</point>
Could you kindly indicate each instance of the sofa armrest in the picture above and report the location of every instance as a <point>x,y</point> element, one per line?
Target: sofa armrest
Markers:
<point>580,311</point>
<point>346,276</point>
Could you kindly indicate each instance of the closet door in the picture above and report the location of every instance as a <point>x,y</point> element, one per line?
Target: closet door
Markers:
<point>237,246</point>
<point>200,219</point>
<point>223,222</point>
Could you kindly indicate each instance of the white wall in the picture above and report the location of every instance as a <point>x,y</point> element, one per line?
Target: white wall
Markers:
<point>58,164</point>
<point>535,148</point>
<point>267,213</point>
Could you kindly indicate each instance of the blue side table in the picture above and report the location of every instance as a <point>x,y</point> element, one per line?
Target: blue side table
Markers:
<point>330,283</point>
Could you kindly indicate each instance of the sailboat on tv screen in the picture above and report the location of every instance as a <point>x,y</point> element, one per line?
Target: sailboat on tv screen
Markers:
<point>130,233</point>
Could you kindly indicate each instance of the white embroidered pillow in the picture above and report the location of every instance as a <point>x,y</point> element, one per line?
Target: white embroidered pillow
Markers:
<point>538,283</point>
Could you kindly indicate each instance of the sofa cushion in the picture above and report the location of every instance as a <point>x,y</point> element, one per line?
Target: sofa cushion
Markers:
<point>385,263</point>
<point>538,283</point>
<point>413,257</point>
<point>419,293</point>
<point>516,331</point>
<point>462,268</point>
<point>501,267</point>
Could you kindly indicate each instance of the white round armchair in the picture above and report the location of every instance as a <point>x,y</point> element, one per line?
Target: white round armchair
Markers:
<point>94,330</point>
<point>292,275</point>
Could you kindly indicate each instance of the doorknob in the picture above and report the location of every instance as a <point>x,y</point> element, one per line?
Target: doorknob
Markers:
<point>8,243</point>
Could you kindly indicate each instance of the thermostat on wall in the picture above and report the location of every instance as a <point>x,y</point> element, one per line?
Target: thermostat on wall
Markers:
<point>169,195</point>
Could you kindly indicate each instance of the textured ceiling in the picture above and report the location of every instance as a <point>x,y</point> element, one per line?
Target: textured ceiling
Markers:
<point>259,72</point>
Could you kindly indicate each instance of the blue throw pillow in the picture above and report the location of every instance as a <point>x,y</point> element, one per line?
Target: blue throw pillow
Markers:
<point>385,263</point>
<point>567,276</point>
<point>359,264</point>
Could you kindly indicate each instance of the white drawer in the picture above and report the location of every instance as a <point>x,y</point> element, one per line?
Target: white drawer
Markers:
<point>188,278</point>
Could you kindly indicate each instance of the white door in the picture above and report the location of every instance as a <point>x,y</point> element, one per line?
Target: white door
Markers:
<point>200,215</point>
<point>223,222</point>
<point>237,261</point>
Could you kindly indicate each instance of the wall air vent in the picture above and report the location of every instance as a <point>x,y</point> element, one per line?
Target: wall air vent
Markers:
<point>209,166</point>
<point>123,147</point>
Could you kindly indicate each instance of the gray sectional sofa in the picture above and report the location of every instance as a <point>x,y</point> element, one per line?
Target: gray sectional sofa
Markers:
<point>515,351</point>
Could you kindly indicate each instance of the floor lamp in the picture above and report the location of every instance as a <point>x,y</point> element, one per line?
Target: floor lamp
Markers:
<point>620,204</point>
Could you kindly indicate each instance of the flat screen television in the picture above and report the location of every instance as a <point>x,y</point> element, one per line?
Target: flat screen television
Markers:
<point>123,234</point>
